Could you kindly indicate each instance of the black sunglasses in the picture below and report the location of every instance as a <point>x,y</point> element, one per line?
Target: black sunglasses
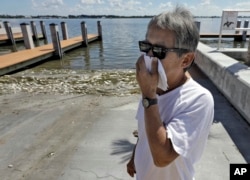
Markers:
<point>158,51</point>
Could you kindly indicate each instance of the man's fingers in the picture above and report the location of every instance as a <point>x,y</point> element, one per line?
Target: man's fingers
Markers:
<point>130,172</point>
<point>140,64</point>
<point>131,169</point>
<point>154,66</point>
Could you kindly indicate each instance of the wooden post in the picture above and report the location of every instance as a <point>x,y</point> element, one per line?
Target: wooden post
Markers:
<point>84,34</point>
<point>27,36</point>
<point>238,38</point>
<point>248,54</point>
<point>43,29</point>
<point>198,25</point>
<point>99,27</point>
<point>9,33</point>
<point>1,24</point>
<point>244,33</point>
<point>34,31</point>
<point>238,26</point>
<point>64,30</point>
<point>56,40</point>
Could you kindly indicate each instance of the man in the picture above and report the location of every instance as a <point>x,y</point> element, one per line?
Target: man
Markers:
<point>173,123</point>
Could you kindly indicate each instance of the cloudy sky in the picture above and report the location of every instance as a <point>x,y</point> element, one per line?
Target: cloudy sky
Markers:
<point>116,7</point>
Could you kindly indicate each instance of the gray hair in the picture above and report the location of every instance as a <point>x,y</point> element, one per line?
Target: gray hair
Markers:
<point>181,22</point>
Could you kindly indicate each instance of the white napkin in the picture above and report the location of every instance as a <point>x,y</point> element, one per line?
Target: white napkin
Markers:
<point>162,82</point>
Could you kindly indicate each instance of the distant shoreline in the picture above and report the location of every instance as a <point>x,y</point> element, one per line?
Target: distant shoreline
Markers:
<point>89,16</point>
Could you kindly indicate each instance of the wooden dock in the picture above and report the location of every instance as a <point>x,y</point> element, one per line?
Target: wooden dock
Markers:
<point>216,35</point>
<point>4,37</point>
<point>17,60</point>
<point>17,36</point>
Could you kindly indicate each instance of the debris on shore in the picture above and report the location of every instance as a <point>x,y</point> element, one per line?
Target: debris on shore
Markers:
<point>64,81</point>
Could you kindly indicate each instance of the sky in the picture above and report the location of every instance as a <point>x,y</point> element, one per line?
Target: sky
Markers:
<point>116,7</point>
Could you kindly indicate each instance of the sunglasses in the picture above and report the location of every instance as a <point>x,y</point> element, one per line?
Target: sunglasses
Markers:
<point>158,51</point>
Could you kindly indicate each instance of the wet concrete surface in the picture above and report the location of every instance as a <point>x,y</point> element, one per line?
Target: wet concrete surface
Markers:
<point>89,136</point>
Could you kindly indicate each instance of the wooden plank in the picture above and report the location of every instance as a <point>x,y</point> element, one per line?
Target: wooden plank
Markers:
<point>216,35</point>
<point>17,36</point>
<point>4,37</point>
<point>24,55</point>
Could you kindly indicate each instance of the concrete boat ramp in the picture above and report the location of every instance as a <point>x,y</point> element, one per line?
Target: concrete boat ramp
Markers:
<point>90,137</point>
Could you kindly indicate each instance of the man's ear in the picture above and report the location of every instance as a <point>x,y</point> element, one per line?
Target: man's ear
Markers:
<point>187,60</point>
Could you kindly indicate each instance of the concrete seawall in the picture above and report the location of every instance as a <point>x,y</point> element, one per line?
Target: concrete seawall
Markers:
<point>231,77</point>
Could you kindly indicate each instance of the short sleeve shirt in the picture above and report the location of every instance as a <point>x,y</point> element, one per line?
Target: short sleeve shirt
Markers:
<point>187,112</point>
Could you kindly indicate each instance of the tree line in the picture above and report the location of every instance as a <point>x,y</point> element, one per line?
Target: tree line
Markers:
<point>70,16</point>
<point>90,16</point>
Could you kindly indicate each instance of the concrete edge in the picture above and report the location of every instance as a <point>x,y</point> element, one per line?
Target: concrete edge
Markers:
<point>230,76</point>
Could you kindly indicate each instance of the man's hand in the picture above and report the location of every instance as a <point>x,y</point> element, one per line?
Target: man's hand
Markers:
<point>147,81</point>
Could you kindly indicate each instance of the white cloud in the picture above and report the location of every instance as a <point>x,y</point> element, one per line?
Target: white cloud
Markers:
<point>129,7</point>
<point>48,7</point>
<point>166,6</point>
<point>243,5</point>
<point>34,3</point>
<point>132,5</point>
<point>123,6</point>
<point>52,3</point>
<point>205,8</point>
<point>88,2</point>
<point>205,2</point>
<point>47,3</point>
<point>115,3</point>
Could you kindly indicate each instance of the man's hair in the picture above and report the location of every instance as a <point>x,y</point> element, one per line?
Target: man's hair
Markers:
<point>181,22</point>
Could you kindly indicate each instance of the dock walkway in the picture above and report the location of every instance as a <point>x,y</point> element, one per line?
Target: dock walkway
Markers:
<point>17,60</point>
<point>17,36</point>
<point>4,37</point>
<point>216,35</point>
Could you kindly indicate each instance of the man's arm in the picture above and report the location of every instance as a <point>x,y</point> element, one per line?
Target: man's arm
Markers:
<point>160,145</point>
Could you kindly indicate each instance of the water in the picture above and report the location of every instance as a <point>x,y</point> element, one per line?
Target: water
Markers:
<point>119,48</point>
<point>115,55</point>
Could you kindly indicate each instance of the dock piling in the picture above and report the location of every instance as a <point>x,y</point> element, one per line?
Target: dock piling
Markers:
<point>248,54</point>
<point>238,26</point>
<point>64,30</point>
<point>198,25</point>
<point>84,34</point>
<point>244,33</point>
<point>238,38</point>
<point>99,27</point>
<point>34,31</point>
<point>9,33</point>
<point>27,36</point>
<point>56,40</point>
<point>43,29</point>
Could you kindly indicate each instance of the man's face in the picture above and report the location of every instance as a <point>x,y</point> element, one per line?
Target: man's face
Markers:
<point>172,63</point>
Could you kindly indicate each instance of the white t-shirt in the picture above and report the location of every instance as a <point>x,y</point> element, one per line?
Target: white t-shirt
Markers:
<point>187,112</point>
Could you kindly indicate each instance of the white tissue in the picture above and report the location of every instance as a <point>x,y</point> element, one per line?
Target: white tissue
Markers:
<point>162,82</point>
